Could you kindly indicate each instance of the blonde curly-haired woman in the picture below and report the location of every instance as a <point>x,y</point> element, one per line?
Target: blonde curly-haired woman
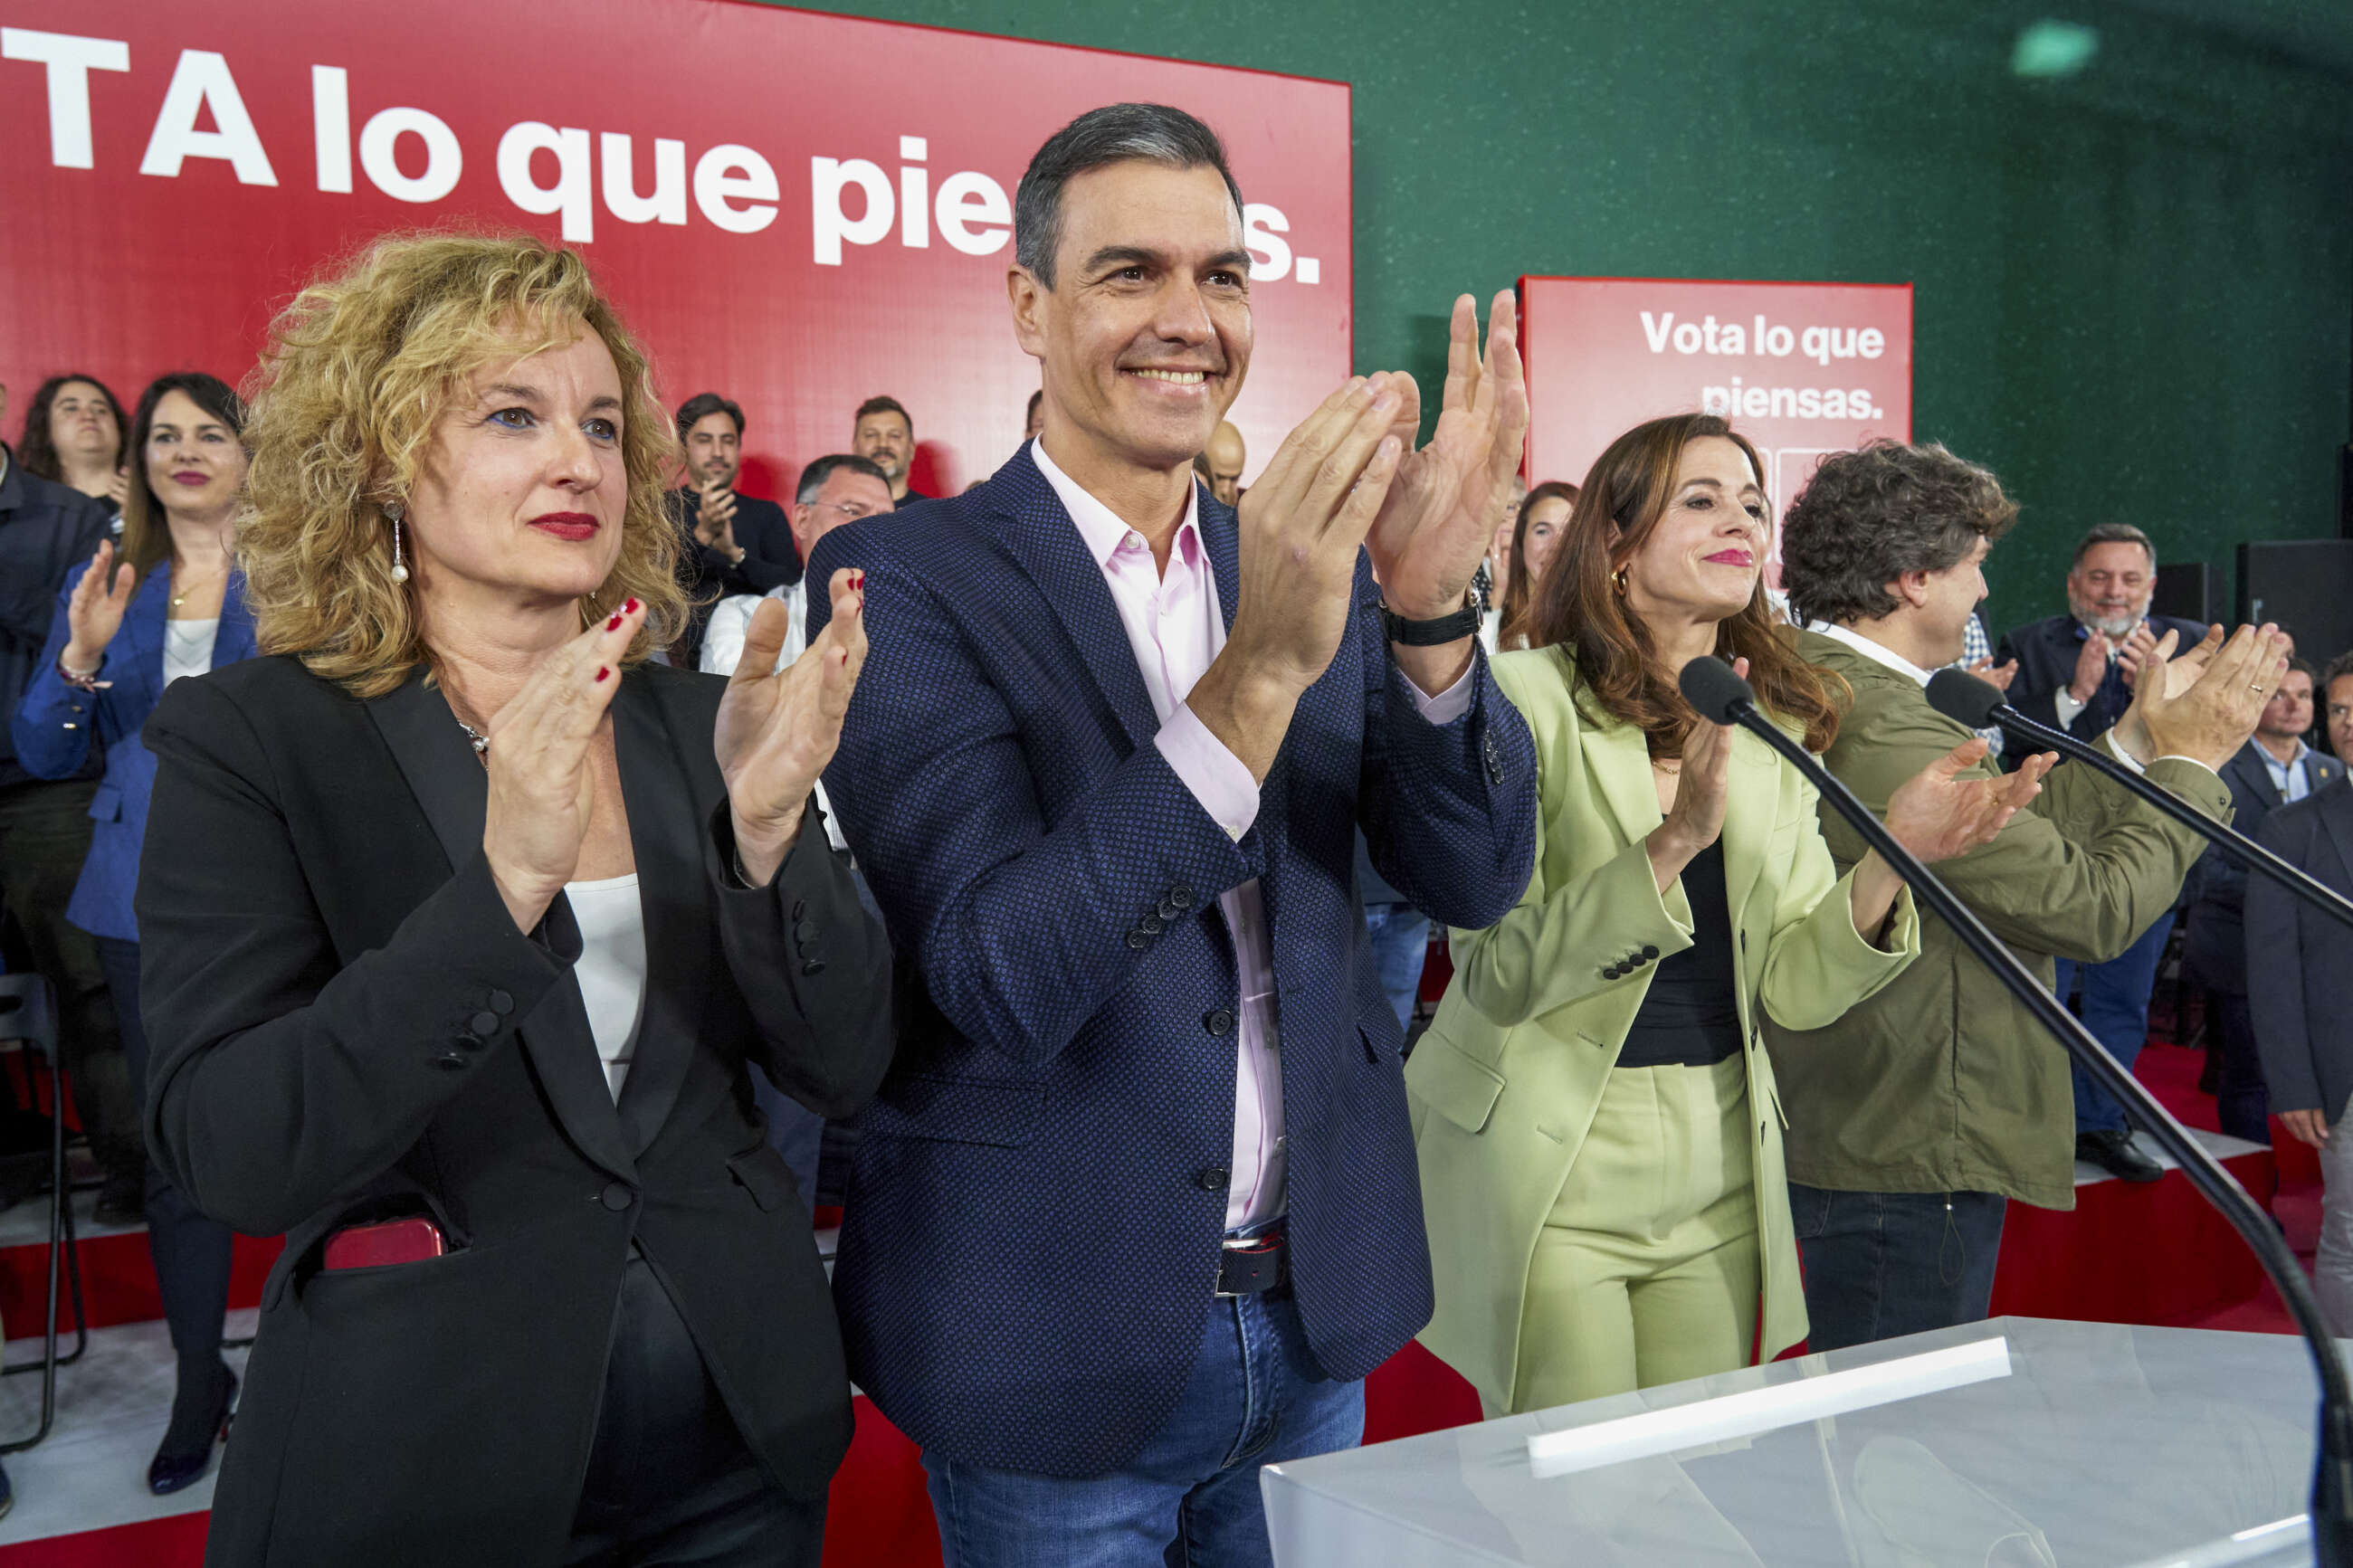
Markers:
<point>462,924</point>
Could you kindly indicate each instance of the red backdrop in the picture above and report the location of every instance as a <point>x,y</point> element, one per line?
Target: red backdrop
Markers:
<point>797,210</point>
<point>1801,369</point>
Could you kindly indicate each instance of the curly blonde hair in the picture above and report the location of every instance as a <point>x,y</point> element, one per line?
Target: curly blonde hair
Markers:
<point>360,368</point>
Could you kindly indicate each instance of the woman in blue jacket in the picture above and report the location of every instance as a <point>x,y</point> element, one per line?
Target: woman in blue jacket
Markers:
<point>168,603</point>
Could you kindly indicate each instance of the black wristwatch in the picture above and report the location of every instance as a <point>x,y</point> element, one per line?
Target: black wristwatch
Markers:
<point>1462,623</point>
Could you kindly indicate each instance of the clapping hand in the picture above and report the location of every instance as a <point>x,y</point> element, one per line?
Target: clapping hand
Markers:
<point>1439,518</point>
<point>1937,815</point>
<point>2138,642</point>
<point>2205,704</point>
<point>1998,676</point>
<point>778,728</point>
<point>94,614</point>
<point>541,775</point>
<point>714,517</point>
<point>1703,789</point>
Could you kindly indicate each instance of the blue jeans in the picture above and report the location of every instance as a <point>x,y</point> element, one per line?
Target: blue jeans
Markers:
<point>1399,934</point>
<point>1882,1265</point>
<point>1190,1497</point>
<point>2116,1009</point>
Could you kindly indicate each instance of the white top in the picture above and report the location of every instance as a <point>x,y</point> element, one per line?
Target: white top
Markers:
<point>730,617</point>
<point>611,969</point>
<point>188,647</point>
<point>722,650</point>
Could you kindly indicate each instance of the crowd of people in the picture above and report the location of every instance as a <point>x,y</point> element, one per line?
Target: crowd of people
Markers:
<point>1050,876</point>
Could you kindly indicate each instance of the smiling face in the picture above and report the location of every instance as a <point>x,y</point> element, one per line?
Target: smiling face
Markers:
<point>194,463</point>
<point>1948,599</point>
<point>1146,336</point>
<point>714,451</point>
<point>83,425</point>
<point>522,488</point>
<point>1702,560</point>
<point>883,439</point>
<point>2109,588</point>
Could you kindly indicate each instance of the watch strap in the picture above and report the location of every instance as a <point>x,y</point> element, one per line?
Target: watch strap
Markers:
<point>1453,627</point>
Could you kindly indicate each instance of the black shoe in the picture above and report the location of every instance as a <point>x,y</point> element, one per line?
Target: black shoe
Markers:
<point>200,1416</point>
<point>122,1199</point>
<point>2112,1149</point>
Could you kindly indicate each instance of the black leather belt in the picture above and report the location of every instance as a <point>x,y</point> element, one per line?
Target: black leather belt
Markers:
<point>1253,1265</point>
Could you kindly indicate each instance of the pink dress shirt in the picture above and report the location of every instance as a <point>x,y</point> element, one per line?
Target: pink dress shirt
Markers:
<point>1176,625</point>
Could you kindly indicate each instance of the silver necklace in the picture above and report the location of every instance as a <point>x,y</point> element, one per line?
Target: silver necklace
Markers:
<point>480,741</point>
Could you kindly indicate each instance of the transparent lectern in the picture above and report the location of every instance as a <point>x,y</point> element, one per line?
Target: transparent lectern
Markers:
<point>2018,1443</point>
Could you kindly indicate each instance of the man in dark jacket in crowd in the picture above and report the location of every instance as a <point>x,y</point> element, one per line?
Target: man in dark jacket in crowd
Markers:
<point>731,543</point>
<point>2275,769</point>
<point>45,528</point>
<point>2300,994</point>
<point>2076,673</point>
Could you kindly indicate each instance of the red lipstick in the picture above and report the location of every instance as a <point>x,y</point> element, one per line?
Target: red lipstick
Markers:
<point>574,526</point>
<point>1733,558</point>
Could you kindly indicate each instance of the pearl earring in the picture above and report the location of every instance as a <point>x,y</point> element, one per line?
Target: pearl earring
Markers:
<point>399,567</point>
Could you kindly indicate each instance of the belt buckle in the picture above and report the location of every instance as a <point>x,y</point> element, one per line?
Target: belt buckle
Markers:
<point>1270,1242</point>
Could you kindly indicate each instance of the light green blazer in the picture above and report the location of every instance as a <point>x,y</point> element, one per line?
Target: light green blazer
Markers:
<point>1506,1081</point>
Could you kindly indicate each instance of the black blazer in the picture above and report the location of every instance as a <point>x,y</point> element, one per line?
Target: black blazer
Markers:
<point>345,1020</point>
<point>46,531</point>
<point>2046,652</point>
<point>2300,962</point>
<point>2215,946</point>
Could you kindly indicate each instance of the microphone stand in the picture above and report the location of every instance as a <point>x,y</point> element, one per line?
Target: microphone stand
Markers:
<point>2332,1483</point>
<point>2237,845</point>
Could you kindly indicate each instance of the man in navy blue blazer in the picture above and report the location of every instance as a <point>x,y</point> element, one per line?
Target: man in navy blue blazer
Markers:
<point>2076,673</point>
<point>1136,1210</point>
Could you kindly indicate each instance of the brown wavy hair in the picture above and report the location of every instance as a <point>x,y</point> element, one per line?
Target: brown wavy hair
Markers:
<point>361,367</point>
<point>1519,597</point>
<point>147,542</point>
<point>1580,611</point>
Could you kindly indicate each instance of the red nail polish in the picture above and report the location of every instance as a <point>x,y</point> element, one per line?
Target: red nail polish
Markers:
<point>858,579</point>
<point>602,671</point>
<point>614,625</point>
<point>630,608</point>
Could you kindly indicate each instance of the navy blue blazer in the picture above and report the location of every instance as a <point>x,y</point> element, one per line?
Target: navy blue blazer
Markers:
<point>54,725</point>
<point>2216,944</point>
<point>2046,652</point>
<point>1035,1212</point>
<point>2300,962</point>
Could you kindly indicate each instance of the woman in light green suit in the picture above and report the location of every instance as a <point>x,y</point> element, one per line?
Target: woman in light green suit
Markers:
<point>1595,1114</point>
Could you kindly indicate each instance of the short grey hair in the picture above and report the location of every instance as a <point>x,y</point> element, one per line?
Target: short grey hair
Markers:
<point>2115,534</point>
<point>1116,133</point>
<point>814,476</point>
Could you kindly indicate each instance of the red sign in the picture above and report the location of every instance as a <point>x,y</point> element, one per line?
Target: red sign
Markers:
<point>797,210</point>
<point>1801,369</point>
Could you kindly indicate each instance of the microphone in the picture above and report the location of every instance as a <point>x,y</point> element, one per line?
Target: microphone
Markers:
<point>1976,704</point>
<point>1720,696</point>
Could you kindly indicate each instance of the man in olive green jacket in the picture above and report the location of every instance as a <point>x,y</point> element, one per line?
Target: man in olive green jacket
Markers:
<point>1917,1116</point>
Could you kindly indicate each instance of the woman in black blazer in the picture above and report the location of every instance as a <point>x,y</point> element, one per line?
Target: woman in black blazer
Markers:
<point>462,923</point>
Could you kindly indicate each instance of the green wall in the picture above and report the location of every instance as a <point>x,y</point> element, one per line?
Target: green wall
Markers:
<point>2134,284</point>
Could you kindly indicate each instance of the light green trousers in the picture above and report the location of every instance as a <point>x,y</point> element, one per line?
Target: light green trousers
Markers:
<point>1648,1269</point>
